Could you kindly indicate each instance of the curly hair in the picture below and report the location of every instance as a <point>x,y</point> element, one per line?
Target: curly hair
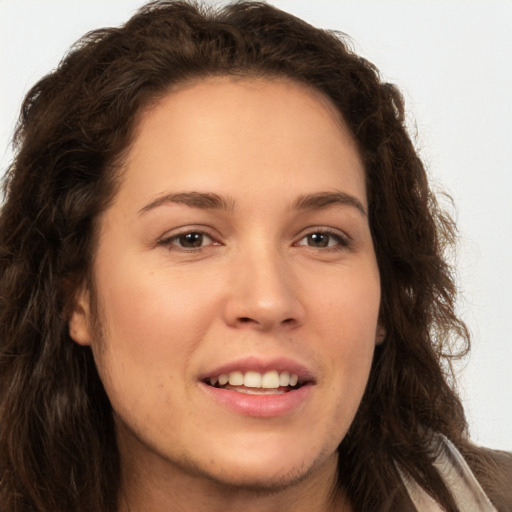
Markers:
<point>57,441</point>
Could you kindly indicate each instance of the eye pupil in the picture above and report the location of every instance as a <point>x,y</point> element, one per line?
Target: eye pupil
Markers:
<point>318,239</point>
<point>191,240</point>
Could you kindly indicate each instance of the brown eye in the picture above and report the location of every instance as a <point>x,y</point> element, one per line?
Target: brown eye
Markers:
<point>318,239</point>
<point>190,240</point>
<point>323,240</point>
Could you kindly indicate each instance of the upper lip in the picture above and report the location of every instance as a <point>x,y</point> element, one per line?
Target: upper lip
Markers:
<point>260,365</point>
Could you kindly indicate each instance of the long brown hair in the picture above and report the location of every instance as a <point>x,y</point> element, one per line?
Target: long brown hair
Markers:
<point>57,441</point>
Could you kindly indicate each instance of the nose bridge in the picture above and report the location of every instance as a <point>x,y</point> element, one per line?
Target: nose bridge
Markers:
<point>264,292</point>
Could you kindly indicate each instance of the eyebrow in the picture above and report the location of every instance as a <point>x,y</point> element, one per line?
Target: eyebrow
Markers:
<point>202,200</point>
<point>210,201</point>
<point>323,200</point>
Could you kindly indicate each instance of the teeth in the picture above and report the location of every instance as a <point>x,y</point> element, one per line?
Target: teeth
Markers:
<point>260,391</point>
<point>284,379</point>
<point>269,380</point>
<point>252,380</point>
<point>236,379</point>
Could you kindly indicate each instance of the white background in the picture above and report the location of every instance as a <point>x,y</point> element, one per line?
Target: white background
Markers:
<point>453,62</point>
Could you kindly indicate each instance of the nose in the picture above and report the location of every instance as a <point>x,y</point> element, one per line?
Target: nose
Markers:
<point>264,293</point>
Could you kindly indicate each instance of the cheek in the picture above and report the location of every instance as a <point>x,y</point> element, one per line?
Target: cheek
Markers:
<point>346,316</point>
<point>150,330</point>
<point>150,320</point>
<point>347,305</point>
<point>143,302</point>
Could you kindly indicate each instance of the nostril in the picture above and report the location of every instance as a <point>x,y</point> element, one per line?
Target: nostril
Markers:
<point>249,320</point>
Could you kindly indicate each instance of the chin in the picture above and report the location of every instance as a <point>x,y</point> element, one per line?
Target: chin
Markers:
<point>263,481</point>
<point>267,475</point>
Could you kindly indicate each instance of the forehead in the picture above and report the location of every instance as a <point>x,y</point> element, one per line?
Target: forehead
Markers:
<point>235,133</point>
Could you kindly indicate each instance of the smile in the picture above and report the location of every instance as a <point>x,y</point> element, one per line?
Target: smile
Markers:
<point>257,387</point>
<point>252,382</point>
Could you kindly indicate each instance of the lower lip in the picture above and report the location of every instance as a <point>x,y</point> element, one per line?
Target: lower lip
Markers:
<point>262,406</point>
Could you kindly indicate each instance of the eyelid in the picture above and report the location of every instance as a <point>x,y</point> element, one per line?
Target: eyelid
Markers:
<point>344,240</point>
<point>170,236</point>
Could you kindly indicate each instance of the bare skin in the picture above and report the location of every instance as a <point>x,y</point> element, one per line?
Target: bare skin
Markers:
<point>238,245</point>
<point>312,494</point>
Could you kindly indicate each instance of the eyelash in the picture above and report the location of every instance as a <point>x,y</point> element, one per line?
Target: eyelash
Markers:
<point>168,241</point>
<point>342,242</point>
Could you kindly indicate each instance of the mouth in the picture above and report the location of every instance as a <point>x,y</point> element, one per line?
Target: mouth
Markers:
<point>257,387</point>
<point>271,382</point>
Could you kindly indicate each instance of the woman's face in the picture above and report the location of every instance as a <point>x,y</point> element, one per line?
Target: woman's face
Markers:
<point>237,248</point>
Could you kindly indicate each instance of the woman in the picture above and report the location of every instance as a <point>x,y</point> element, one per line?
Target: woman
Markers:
<point>223,282</point>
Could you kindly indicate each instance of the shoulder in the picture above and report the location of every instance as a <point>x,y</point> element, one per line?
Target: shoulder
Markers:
<point>493,470</point>
<point>477,478</point>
